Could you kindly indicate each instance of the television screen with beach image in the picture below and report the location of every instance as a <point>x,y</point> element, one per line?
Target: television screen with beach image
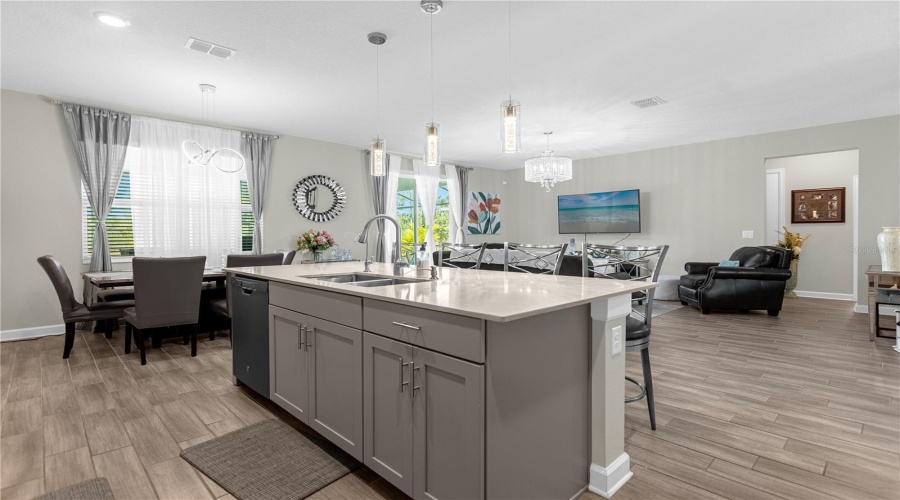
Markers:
<point>612,212</point>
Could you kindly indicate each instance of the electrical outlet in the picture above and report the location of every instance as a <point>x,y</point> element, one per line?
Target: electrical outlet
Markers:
<point>616,340</point>
<point>747,234</point>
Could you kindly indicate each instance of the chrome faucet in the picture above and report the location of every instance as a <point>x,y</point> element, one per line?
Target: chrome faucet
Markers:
<point>363,237</point>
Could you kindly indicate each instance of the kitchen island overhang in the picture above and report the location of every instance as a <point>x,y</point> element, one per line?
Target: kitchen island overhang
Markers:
<point>545,389</point>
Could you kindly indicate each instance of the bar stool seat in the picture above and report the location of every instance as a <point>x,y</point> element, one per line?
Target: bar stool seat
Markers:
<point>636,329</point>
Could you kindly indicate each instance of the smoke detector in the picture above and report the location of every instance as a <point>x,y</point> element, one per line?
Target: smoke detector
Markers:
<point>431,6</point>
<point>649,102</point>
<point>209,48</point>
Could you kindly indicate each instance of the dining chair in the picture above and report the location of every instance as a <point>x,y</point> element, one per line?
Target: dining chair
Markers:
<point>288,256</point>
<point>75,312</point>
<point>461,255</point>
<point>632,264</point>
<point>166,294</point>
<point>534,259</point>
<point>220,307</point>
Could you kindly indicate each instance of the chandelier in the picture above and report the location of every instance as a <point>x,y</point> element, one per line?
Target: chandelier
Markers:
<point>548,169</point>
<point>199,155</point>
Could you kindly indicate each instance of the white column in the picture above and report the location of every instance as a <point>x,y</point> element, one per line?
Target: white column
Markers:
<point>610,465</point>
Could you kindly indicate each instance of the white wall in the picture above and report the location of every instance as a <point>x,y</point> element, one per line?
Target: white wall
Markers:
<point>40,203</point>
<point>699,197</point>
<point>826,262</point>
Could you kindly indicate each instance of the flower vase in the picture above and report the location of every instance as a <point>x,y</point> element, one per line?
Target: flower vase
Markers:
<point>791,283</point>
<point>318,256</point>
<point>889,249</point>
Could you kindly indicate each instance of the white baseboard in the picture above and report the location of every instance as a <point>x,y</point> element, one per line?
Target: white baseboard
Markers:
<point>827,295</point>
<point>606,481</point>
<point>32,333</point>
<point>883,309</point>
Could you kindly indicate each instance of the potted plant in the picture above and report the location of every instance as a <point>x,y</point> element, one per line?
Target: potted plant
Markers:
<point>315,241</point>
<point>795,242</point>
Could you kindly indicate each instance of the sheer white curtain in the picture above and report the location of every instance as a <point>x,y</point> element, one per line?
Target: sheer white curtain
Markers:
<point>456,213</point>
<point>427,181</point>
<point>390,208</point>
<point>180,210</point>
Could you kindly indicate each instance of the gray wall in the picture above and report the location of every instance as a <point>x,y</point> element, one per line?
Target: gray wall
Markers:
<point>699,197</point>
<point>826,263</point>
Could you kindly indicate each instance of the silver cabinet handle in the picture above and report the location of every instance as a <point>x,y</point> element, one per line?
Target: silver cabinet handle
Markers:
<point>402,382</point>
<point>405,325</point>
<point>310,332</point>
<point>300,336</point>
<point>415,387</point>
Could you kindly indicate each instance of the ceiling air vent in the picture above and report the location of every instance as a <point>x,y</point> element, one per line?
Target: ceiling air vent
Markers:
<point>648,103</point>
<point>209,48</point>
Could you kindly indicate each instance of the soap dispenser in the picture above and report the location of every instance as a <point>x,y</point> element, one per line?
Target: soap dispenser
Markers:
<point>423,263</point>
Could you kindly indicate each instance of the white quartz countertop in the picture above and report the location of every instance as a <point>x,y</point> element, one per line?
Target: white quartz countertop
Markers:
<point>490,295</point>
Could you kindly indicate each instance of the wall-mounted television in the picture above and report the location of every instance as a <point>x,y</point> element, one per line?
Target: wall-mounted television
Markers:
<point>610,212</point>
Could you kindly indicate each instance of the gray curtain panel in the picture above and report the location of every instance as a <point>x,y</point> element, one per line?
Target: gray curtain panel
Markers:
<point>462,173</point>
<point>257,151</point>
<point>100,140</point>
<point>379,202</point>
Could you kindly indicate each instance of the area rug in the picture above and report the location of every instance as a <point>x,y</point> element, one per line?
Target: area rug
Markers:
<point>661,307</point>
<point>270,461</point>
<point>92,489</point>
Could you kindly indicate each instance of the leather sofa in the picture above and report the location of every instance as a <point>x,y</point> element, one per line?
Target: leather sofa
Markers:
<point>756,284</point>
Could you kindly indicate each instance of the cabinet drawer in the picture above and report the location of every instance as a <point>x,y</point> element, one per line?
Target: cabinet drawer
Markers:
<point>341,309</point>
<point>458,336</point>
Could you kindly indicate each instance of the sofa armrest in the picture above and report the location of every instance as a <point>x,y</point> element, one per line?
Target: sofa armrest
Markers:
<point>744,273</point>
<point>699,267</point>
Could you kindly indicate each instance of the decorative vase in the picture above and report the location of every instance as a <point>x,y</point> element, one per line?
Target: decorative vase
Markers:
<point>889,248</point>
<point>791,283</point>
<point>318,256</point>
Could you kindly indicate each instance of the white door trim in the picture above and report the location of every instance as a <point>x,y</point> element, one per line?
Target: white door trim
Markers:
<point>782,200</point>
<point>855,193</point>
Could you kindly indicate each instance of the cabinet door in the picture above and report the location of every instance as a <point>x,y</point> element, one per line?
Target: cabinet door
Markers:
<point>448,427</point>
<point>335,390</point>
<point>288,370</point>
<point>387,410</point>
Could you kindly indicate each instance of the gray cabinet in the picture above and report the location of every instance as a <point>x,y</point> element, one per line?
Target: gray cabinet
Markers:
<point>335,383</point>
<point>424,421</point>
<point>288,367</point>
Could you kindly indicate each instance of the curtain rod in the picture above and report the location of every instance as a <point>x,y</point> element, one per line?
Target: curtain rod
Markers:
<point>58,102</point>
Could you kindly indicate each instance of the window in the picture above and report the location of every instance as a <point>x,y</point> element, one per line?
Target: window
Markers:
<point>120,225</point>
<point>412,223</point>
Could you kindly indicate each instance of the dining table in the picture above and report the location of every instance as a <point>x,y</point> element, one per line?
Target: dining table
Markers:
<point>94,281</point>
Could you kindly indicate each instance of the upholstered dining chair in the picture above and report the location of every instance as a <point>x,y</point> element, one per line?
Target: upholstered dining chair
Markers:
<point>75,312</point>
<point>461,255</point>
<point>221,307</point>
<point>288,256</point>
<point>534,259</point>
<point>166,294</point>
<point>633,264</point>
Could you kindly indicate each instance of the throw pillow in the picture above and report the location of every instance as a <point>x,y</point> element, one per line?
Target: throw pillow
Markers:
<point>729,263</point>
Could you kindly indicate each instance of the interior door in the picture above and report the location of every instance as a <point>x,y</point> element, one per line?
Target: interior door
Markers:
<point>448,427</point>
<point>387,410</point>
<point>335,390</point>
<point>288,371</point>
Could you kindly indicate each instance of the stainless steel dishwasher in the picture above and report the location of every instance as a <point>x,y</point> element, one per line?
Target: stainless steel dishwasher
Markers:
<point>250,332</point>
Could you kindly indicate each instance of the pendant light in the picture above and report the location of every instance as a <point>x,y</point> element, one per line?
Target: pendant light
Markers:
<point>199,155</point>
<point>378,144</point>
<point>432,155</point>
<point>510,130</point>
<point>548,169</point>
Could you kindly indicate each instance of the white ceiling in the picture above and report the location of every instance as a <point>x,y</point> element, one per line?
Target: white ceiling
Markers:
<point>305,68</point>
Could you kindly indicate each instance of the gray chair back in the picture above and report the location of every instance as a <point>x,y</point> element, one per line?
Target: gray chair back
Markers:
<point>167,290</point>
<point>61,283</point>
<point>534,259</point>
<point>245,260</point>
<point>288,256</point>
<point>637,263</point>
<point>461,255</point>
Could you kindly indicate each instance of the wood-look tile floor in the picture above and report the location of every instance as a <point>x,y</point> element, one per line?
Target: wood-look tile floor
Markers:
<point>802,406</point>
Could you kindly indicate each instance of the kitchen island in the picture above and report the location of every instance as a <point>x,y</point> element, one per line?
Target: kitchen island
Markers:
<point>479,384</point>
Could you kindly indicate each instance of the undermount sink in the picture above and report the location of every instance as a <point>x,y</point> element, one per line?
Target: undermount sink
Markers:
<point>366,280</point>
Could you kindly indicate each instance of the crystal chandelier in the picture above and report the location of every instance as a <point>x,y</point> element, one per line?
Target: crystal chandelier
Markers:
<point>197,154</point>
<point>548,169</point>
<point>376,166</point>
<point>432,156</point>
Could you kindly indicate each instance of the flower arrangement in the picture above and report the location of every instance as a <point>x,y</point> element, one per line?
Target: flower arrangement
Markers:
<point>793,241</point>
<point>315,240</point>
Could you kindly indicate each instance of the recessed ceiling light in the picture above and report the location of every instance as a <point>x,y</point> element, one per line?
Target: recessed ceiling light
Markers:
<point>112,20</point>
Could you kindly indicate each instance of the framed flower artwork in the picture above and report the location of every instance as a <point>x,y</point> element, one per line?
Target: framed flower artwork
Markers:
<point>483,213</point>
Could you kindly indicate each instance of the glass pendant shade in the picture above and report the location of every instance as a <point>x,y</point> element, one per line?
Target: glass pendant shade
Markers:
<point>432,156</point>
<point>511,135</point>
<point>378,156</point>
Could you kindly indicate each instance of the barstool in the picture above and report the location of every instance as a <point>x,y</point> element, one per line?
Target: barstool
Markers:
<point>632,264</point>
